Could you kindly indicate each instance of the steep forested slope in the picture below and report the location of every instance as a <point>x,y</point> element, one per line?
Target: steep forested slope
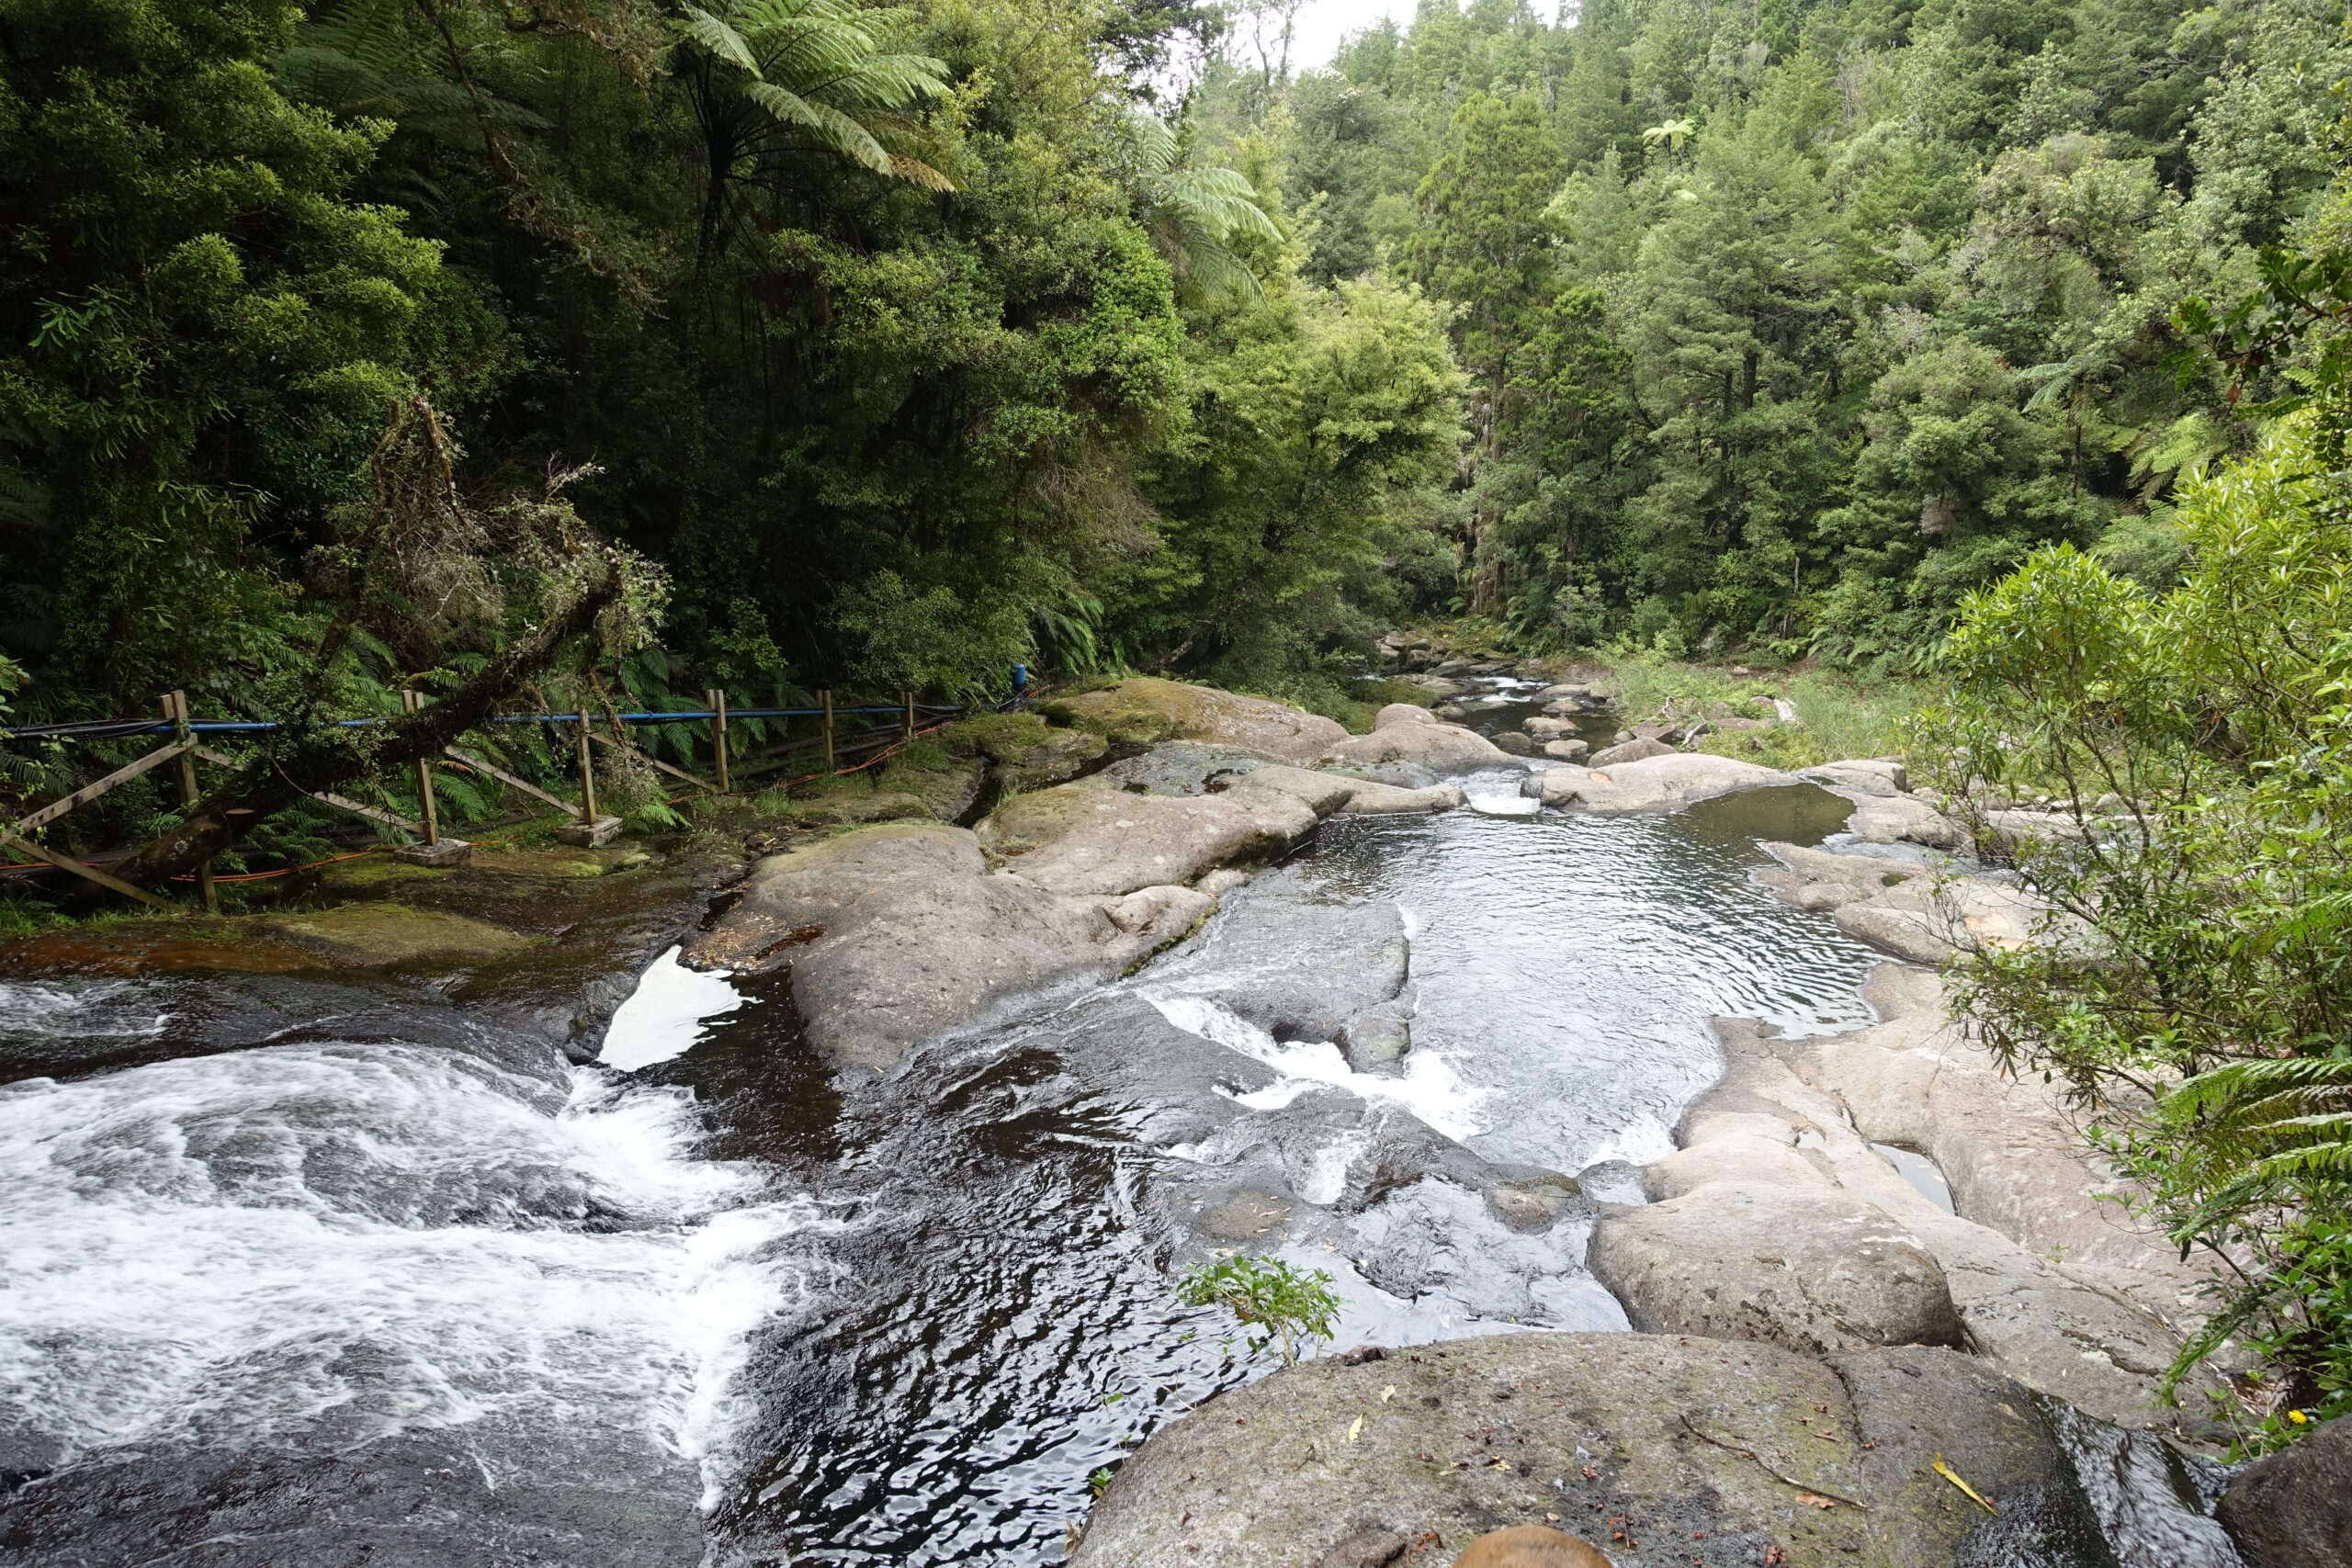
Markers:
<point>1788,322</point>
<point>900,342</point>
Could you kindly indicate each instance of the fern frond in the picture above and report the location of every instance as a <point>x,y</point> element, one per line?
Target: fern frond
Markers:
<point>914,171</point>
<point>718,37</point>
<point>828,124</point>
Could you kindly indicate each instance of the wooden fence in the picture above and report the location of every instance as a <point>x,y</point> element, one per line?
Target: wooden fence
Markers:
<point>183,747</point>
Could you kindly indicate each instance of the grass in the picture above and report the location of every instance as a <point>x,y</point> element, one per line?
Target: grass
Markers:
<point>1836,716</point>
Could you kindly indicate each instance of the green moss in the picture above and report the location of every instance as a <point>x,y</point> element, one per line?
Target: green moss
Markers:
<point>1000,737</point>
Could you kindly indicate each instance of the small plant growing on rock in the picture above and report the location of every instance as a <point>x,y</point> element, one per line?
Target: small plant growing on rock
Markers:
<point>1292,1305</point>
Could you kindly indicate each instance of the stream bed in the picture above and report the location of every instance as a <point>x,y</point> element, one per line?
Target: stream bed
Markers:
<point>385,1276</point>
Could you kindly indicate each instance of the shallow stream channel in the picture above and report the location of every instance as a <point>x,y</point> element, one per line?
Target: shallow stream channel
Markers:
<point>320,1270</point>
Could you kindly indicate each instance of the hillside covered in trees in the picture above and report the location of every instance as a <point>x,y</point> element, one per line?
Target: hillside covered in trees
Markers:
<point>896,343</point>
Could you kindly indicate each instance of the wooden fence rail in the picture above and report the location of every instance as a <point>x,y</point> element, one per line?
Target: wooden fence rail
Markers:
<point>187,749</point>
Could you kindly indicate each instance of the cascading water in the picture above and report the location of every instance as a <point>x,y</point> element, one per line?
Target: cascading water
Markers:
<point>449,1297</point>
<point>320,1246</point>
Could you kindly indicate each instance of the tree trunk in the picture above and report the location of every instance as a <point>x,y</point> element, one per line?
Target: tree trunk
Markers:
<point>321,758</point>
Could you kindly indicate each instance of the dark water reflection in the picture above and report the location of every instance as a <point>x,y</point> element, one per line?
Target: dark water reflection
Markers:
<point>296,1263</point>
<point>1000,1322</point>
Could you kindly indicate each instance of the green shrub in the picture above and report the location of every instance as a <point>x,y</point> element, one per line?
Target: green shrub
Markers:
<point>2208,1027</point>
<point>1291,1304</point>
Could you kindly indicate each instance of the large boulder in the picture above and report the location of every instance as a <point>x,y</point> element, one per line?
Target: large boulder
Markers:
<point>1144,710</point>
<point>1372,798</point>
<point>2009,1149</point>
<point>1075,839</point>
<point>1414,737</point>
<point>1866,776</point>
<point>1914,913</point>
<point>1888,818</point>
<point>1660,1449</point>
<point>2294,1509</point>
<point>897,933</point>
<point>1804,1267</point>
<point>1797,1115</point>
<point>1654,783</point>
<point>1633,750</point>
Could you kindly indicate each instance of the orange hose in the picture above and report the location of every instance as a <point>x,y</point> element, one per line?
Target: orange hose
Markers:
<point>266,875</point>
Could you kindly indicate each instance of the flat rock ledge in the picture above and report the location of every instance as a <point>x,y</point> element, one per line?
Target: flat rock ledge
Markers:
<point>1781,1220</point>
<point>901,932</point>
<point>1653,783</point>
<point>1657,1449</point>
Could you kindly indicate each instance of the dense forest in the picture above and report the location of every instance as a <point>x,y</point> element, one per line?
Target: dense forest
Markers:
<point>389,345</point>
<point>896,343</point>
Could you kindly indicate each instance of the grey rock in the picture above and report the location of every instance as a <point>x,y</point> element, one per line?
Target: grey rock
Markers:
<point>897,933</point>
<point>1869,775</point>
<point>2294,1509</point>
<point>1549,728</point>
<point>1372,798</point>
<point>1809,1268</point>
<point>1569,751</point>
<point>1517,742</point>
<point>2093,1335</point>
<point>1633,750</point>
<point>1076,839</point>
<point>1663,1441</point>
<point>1886,820</point>
<point>1418,738</point>
<point>1179,767</point>
<point>1532,1201</point>
<point>1654,783</point>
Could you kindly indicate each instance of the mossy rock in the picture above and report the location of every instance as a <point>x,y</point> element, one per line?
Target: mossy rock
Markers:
<point>999,737</point>
<point>557,861</point>
<point>1147,710</point>
<point>1032,821</point>
<point>386,933</point>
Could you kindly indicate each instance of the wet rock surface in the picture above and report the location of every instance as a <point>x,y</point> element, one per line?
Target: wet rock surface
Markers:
<point>2294,1509</point>
<point>1657,1448</point>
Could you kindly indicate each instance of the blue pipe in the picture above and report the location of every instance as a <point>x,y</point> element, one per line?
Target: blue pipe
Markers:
<point>235,726</point>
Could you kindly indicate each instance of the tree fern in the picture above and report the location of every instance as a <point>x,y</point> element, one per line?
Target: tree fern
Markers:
<point>1194,215</point>
<point>816,67</point>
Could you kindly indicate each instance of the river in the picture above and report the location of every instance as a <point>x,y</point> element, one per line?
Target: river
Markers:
<point>377,1277</point>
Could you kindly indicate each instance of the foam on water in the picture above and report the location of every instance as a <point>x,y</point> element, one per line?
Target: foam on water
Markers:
<point>339,1242</point>
<point>666,1014</point>
<point>1429,1088</point>
<point>106,1010</point>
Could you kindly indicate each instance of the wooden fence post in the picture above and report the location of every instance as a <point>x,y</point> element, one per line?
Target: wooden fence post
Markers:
<point>908,724</point>
<point>587,775</point>
<point>716,698</point>
<point>414,701</point>
<point>175,710</point>
<point>825,724</point>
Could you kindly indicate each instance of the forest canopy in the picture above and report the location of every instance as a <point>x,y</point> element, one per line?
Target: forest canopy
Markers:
<point>905,342</point>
